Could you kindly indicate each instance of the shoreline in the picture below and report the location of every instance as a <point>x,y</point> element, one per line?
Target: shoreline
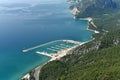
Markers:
<point>55,56</point>
<point>62,53</point>
<point>90,21</point>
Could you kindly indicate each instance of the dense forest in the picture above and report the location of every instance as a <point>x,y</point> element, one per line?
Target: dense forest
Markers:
<point>99,65</point>
<point>95,60</point>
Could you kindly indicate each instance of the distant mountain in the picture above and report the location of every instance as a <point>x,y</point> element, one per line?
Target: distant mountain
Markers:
<point>90,8</point>
<point>103,12</point>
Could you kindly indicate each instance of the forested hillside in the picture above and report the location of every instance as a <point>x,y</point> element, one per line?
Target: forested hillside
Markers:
<point>87,63</point>
<point>98,65</point>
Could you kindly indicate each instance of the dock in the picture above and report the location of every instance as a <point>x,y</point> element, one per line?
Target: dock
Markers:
<point>54,48</point>
<point>29,49</point>
<point>72,41</point>
<point>44,53</point>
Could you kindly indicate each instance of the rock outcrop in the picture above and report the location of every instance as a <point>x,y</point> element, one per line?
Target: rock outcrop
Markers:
<point>93,7</point>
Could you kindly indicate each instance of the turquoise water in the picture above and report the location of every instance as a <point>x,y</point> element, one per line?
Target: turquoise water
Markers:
<point>25,26</point>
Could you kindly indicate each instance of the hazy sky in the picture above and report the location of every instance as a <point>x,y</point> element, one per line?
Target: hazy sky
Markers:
<point>28,1</point>
<point>14,1</point>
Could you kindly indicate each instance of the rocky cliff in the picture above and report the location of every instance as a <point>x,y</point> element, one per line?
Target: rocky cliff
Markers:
<point>89,8</point>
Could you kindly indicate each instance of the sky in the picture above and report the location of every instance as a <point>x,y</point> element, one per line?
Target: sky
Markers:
<point>17,1</point>
<point>27,1</point>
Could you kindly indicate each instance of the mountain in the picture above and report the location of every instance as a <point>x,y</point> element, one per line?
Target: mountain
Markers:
<point>105,13</point>
<point>102,6</point>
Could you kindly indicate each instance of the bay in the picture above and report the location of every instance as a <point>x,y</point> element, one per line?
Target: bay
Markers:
<point>23,27</point>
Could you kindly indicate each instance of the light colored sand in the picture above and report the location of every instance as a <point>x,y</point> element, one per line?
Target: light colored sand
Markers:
<point>92,30</point>
<point>61,54</point>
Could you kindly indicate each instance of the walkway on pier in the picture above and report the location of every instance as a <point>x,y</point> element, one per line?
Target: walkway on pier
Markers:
<point>72,41</point>
<point>44,53</point>
<point>29,49</point>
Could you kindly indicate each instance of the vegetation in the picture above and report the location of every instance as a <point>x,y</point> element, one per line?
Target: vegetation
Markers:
<point>52,69</point>
<point>31,73</point>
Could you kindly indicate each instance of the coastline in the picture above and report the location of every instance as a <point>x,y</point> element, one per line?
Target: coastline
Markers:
<point>60,54</point>
<point>90,21</point>
<point>55,56</point>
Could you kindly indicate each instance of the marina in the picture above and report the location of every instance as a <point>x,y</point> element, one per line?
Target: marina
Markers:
<point>53,46</point>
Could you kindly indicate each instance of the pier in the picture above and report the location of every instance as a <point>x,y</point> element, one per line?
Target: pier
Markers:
<point>54,48</point>
<point>29,49</point>
<point>72,41</point>
<point>44,53</point>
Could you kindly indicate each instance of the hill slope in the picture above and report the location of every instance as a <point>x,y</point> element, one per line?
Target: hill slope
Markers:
<point>99,65</point>
<point>86,63</point>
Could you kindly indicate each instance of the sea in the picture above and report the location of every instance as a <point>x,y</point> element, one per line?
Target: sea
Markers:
<point>24,25</point>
